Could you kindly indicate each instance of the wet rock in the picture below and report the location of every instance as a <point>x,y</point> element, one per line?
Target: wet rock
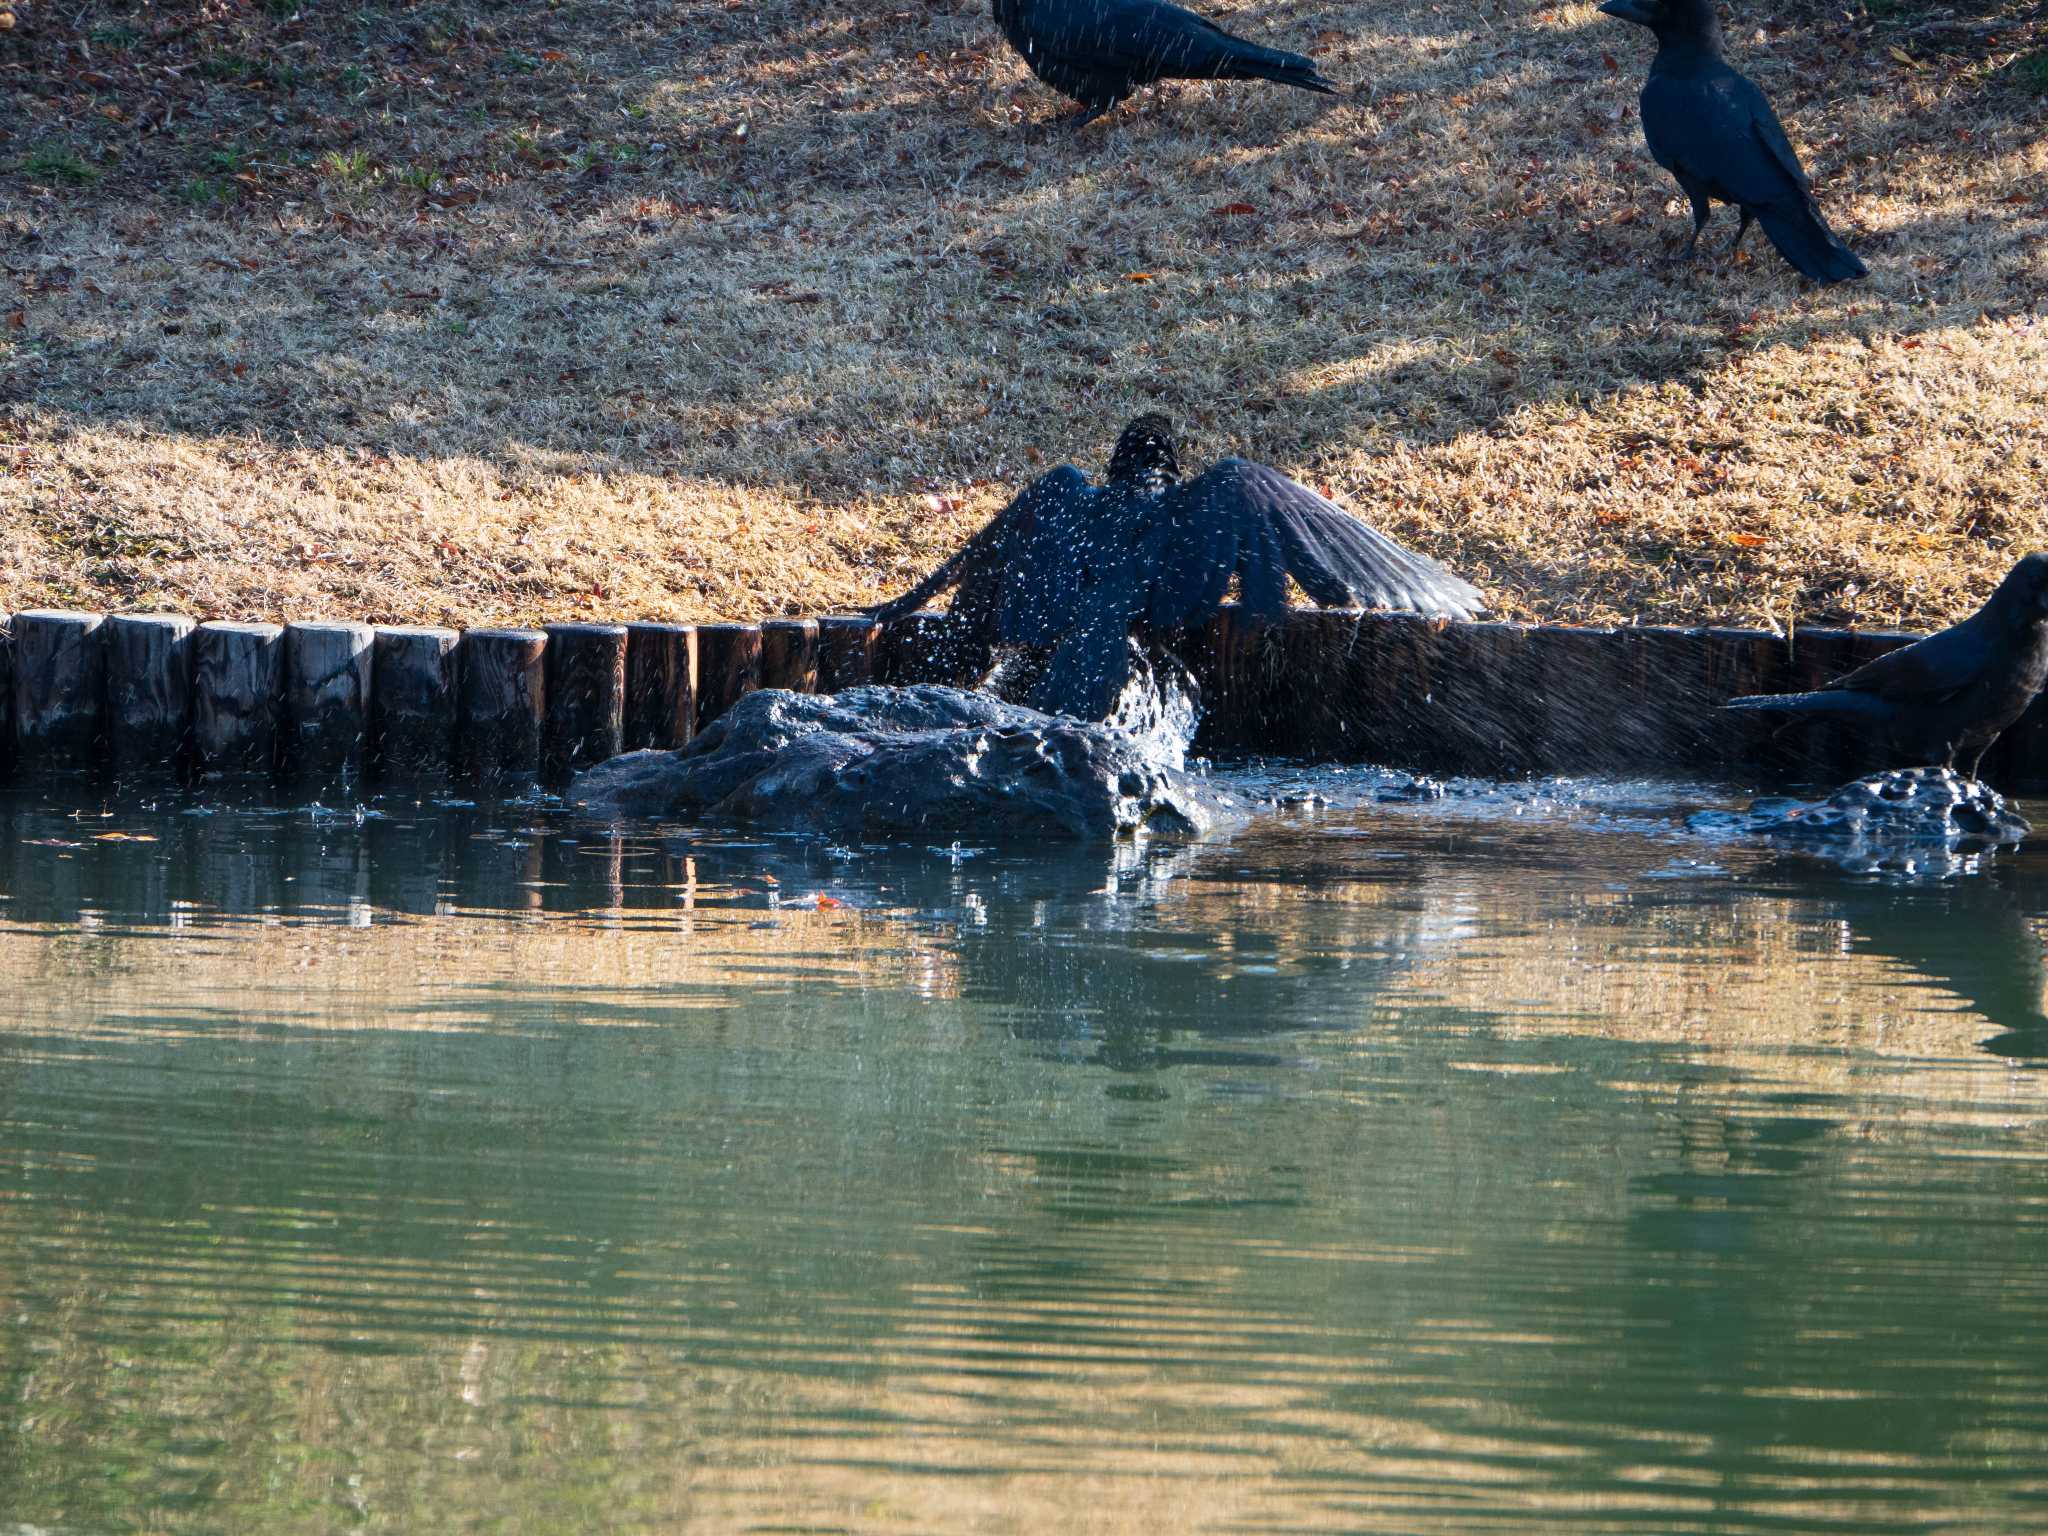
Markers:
<point>1910,820</point>
<point>923,761</point>
<point>1414,789</point>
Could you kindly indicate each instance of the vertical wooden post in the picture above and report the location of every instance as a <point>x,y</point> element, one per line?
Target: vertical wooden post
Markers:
<point>1824,751</point>
<point>504,702</point>
<point>6,705</point>
<point>1228,669</point>
<point>1309,708</point>
<point>928,647</point>
<point>728,665</point>
<point>1482,699</point>
<point>1735,663</point>
<point>149,693</point>
<point>586,693</point>
<point>661,685</point>
<point>1667,719</point>
<point>846,652</point>
<point>1576,676</point>
<point>1395,663</point>
<point>59,692</point>
<point>414,703</point>
<point>789,654</point>
<point>327,702</point>
<point>237,697</point>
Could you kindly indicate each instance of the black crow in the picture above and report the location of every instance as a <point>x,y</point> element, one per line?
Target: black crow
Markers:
<point>1076,566</point>
<point>1946,697</point>
<point>1711,128</point>
<point>1099,51</point>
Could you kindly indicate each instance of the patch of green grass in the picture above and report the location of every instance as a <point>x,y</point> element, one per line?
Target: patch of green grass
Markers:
<point>58,163</point>
<point>353,169</point>
<point>114,39</point>
<point>2031,71</point>
<point>242,68</point>
<point>207,191</point>
<point>228,66</point>
<point>354,78</point>
<point>227,161</point>
<point>420,178</point>
<point>524,63</point>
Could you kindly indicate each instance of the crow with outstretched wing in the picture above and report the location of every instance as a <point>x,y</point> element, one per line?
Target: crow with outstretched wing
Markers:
<point>1077,566</point>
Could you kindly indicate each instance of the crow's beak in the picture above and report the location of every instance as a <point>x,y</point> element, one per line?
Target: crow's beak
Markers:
<point>1642,12</point>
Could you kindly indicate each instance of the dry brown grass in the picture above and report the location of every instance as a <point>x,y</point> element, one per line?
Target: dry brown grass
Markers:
<point>463,312</point>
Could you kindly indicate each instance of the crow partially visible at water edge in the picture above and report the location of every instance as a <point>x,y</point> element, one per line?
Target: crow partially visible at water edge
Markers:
<point>1099,51</point>
<point>1710,126</point>
<point>1077,566</point>
<point>1948,697</point>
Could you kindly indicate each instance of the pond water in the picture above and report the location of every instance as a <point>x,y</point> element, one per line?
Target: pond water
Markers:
<point>1519,1166</point>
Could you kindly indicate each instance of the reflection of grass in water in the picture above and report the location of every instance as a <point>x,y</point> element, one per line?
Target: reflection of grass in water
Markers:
<point>768,319</point>
<point>579,1279</point>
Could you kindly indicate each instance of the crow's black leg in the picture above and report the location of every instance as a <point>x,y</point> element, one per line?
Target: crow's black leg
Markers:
<point>1702,210</point>
<point>1748,219</point>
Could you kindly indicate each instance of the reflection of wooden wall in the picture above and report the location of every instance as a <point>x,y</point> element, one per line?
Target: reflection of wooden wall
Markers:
<point>149,695</point>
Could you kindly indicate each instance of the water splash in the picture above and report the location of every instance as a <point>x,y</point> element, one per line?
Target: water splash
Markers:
<point>1161,709</point>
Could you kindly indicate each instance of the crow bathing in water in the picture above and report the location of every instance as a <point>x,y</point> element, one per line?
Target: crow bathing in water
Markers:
<point>1099,51</point>
<point>1711,128</point>
<point>1950,695</point>
<point>1075,566</point>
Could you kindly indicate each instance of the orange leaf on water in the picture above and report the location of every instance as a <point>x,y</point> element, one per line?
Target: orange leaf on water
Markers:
<point>829,901</point>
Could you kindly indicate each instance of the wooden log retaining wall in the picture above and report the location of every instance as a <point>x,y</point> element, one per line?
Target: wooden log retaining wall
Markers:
<point>349,708</point>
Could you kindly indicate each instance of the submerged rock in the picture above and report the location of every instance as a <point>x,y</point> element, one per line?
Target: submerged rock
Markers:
<point>1917,820</point>
<point>924,761</point>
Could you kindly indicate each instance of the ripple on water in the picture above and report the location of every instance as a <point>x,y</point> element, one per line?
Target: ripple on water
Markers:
<point>1425,1166</point>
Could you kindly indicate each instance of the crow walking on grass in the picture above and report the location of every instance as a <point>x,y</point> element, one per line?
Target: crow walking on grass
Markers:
<point>1943,700</point>
<point>1077,566</point>
<point>1710,127</point>
<point>1099,51</point>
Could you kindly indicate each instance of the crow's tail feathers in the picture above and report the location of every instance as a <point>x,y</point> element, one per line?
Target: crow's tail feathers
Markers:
<point>1248,61</point>
<point>1804,239</point>
<point>1828,701</point>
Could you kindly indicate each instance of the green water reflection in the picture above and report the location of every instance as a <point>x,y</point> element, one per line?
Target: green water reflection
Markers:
<point>1386,1172</point>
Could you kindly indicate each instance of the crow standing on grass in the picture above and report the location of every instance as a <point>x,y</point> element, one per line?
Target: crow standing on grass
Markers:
<point>1946,697</point>
<point>1099,51</point>
<point>1075,566</point>
<point>1710,127</point>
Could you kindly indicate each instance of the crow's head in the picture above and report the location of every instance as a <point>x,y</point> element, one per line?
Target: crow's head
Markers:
<point>2024,592</point>
<point>1144,457</point>
<point>1693,19</point>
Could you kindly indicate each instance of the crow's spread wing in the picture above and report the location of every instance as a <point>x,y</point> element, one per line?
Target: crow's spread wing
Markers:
<point>1019,577</point>
<point>1247,520</point>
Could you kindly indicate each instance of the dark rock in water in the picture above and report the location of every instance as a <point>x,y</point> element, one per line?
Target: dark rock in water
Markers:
<point>1915,820</point>
<point>924,761</point>
<point>1414,789</point>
